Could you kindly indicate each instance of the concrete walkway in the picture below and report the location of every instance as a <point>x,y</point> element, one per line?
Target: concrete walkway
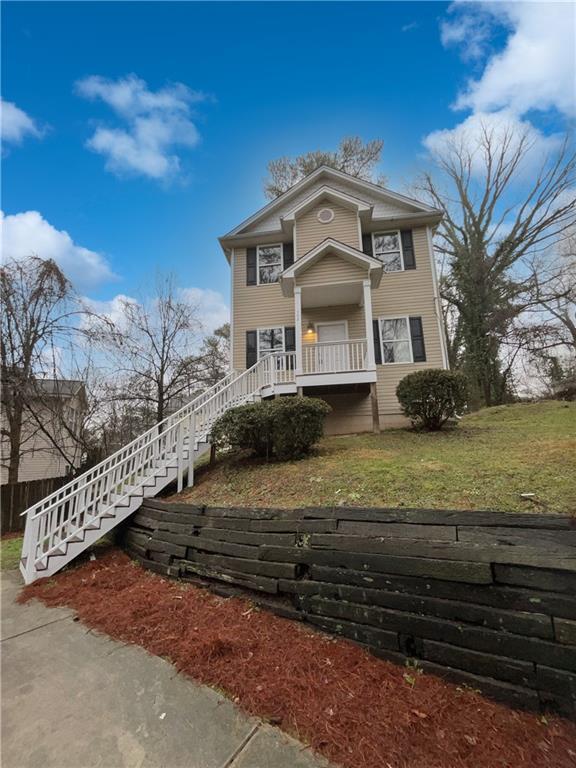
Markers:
<point>74,699</point>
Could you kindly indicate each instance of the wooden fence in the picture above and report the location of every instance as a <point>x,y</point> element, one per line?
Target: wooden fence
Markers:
<point>484,598</point>
<point>17,497</point>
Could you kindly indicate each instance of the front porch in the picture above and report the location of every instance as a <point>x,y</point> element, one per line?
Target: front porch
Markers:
<point>320,364</point>
<point>332,290</point>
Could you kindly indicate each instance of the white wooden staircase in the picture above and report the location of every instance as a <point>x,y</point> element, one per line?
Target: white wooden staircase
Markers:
<point>64,524</point>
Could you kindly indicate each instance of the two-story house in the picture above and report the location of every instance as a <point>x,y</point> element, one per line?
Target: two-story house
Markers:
<point>334,294</point>
<point>336,279</point>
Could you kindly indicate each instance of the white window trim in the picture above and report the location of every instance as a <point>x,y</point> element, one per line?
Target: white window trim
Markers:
<point>399,362</point>
<point>268,328</point>
<point>268,245</point>
<point>389,232</point>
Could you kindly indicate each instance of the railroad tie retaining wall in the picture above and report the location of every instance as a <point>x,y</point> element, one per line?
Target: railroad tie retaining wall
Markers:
<point>484,598</point>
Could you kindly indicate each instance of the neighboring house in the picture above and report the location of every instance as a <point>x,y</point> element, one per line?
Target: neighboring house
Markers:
<point>52,426</point>
<point>337,277</point>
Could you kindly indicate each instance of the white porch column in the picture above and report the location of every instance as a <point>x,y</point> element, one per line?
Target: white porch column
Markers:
<point>298,328</point>
<point>370,360</point>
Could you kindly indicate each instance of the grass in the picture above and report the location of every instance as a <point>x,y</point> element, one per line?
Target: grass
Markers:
<point>10,548</point>
<point>486,462</point>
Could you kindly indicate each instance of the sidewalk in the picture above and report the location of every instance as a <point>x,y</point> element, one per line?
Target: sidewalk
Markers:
<point>75,699</point>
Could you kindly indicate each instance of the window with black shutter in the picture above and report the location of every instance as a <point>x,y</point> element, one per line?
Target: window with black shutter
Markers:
<point>251,348</point>
<point>288,255</point>
<point>251,277</point>
<point>367,244</point>
<point>408,255</point>
<point>401,340</point>
<point>417,338</point>
<point>377,346</point>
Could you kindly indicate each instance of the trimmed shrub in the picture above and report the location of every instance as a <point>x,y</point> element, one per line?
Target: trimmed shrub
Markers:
<point>285,428</point>
<point>298,423</point>
<point>429,398</point>
<point>246,427</point>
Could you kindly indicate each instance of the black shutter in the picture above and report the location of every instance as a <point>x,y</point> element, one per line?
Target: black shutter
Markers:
<point>408,249</point>
<point>288,254</point>
<point>251,349</point>
<point>417,336</point>
<point>251,266</point>
<point>290,339</point>
<point>377,347</point>
<point>367,244</point>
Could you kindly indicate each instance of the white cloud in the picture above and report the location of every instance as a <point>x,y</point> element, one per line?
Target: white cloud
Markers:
<point>28,233</point>
<point>16,124</point>
<point>534,71</point>
<point>469,28</point>
<point>155,123</point>
<point>468,134</point>
<point>410,26</point>
<point>113,309</point>
<point>212,308</point>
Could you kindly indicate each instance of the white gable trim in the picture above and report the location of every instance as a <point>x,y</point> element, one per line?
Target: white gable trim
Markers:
<point>383,193</point>
<point>332,194</point>
<point>346,252</point>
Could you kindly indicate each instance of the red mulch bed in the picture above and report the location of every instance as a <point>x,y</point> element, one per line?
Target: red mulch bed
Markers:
<point>356,710</point>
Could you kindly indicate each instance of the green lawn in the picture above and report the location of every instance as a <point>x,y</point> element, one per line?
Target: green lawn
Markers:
<point>10,552</point>
<point>486,462</point>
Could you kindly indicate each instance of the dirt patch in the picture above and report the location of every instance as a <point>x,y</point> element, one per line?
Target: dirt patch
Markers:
<point>356,710</point>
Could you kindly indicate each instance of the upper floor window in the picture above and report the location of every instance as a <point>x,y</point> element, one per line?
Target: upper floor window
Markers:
<point>387,248</point>
<point>269,258</point>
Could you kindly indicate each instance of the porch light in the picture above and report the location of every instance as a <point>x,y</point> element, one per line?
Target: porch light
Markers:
<point>310,329</point>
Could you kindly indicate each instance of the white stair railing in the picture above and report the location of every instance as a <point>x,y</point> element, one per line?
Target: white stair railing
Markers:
<point>63,518</point>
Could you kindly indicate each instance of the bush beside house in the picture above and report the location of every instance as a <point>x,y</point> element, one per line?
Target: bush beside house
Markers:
<point>285,428</point>
<point>429,398</point>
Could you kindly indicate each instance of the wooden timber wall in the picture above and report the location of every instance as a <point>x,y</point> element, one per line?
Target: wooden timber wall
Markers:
<point>484,598</point>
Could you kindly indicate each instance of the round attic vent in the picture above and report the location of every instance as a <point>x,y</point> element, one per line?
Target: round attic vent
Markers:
<point>325,215</point>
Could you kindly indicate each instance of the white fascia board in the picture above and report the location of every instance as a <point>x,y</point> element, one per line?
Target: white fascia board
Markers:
<point>347,252</point>
<point>408,219</point>
<point>332,194</point>
<point>329,172</point>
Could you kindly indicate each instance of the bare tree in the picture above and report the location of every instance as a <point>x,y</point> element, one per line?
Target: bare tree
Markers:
<point>150,345</point>
<point>353,156</point>
<point>485,235</point>
<point>40,317</point>
<point>213,361</point>
<point>553,288</point>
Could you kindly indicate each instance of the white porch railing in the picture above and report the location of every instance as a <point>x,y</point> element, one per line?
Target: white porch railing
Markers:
<point>335,356</point>
<point>67,521</point>
<point>279,368</point>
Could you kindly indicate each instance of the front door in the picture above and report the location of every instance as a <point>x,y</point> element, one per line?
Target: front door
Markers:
<point>332,356</point>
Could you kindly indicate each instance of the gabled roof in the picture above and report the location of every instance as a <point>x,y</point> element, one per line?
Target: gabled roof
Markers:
<point>325,192</point>
<point>373,267</point>
<point>330,174</point>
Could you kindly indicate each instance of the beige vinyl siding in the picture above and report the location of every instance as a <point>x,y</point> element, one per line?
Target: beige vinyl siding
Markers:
<point>401,294</point>
<point>255,306</point>
<point>40,459</point>
<point>383,205</point>
<point>351,413</point>
<point>310,232</point>
<point>352,314</point>
<point>331,269</point>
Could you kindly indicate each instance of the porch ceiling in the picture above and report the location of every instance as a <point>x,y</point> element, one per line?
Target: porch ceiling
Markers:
<point>331,295</point>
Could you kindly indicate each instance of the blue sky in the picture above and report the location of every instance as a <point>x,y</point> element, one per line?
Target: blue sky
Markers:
<point>265,80</point>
